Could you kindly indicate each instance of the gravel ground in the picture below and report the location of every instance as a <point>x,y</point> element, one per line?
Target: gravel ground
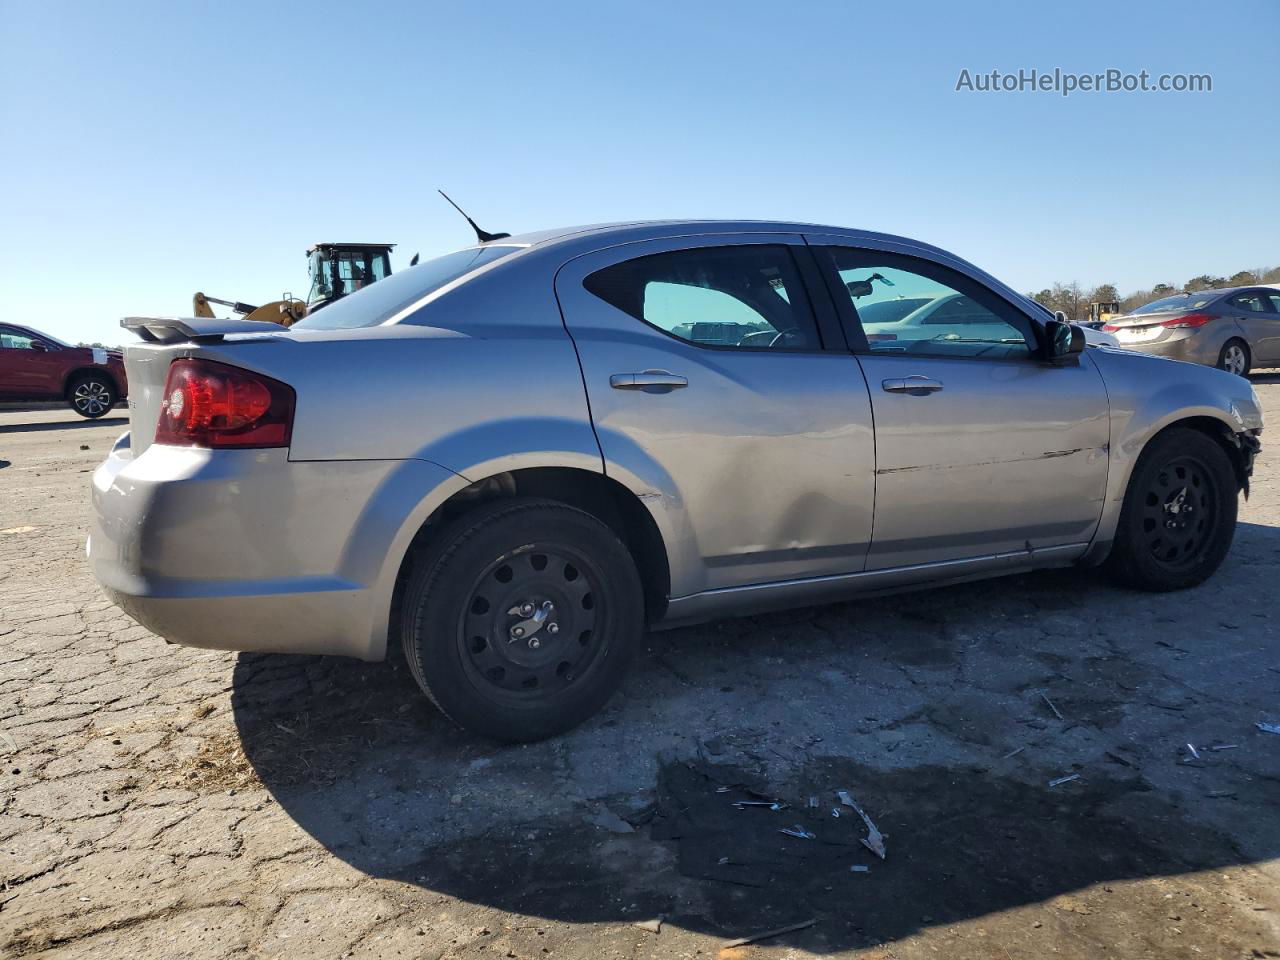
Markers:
<point>159,802</point>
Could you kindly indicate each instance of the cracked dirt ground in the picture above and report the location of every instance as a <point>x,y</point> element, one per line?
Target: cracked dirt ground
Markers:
<point>158,802</point>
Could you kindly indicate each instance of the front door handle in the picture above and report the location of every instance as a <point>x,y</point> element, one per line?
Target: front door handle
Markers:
<point>651,381</point>
<point>916,386</point>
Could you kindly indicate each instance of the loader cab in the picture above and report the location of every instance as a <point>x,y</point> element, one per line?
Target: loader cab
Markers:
<point>337,269</point>
<point>1101,312</point>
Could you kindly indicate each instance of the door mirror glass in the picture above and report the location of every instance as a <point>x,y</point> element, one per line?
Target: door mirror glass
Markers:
<point>1065,340</point>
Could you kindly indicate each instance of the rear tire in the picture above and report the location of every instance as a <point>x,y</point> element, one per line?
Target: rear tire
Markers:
<point>521,617</point>
<point>1235,357</point>
<point>1179,513</point>
<point>92,395</point>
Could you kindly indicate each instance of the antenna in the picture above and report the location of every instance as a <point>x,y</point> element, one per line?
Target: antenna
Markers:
<point>481,235</point>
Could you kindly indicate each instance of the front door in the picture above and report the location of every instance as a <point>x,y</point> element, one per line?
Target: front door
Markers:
<point>711,385</point>
<point>29,366</point>
<point>981,448</point>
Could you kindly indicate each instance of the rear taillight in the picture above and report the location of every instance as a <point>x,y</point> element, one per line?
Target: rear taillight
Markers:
<point>208,404</point>
<point>1110,327</point>
<point>1190,321</point>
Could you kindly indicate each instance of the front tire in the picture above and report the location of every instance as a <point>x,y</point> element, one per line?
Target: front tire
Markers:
<point>1234,357</point>
<point>519,620</point>
<point>1179,513</point>
<point>92,396</point>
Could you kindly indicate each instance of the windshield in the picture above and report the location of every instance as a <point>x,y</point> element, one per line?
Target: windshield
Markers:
<point>1182,301</point>
<point>381,301</point>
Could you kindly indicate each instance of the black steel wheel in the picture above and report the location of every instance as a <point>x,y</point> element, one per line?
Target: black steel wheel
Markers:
<point>1179,513</point>
<point>530,625</point>
<point>519,619</point>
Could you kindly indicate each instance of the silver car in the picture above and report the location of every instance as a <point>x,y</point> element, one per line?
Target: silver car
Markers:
<point>1234,329</point>
<point>512,458</point>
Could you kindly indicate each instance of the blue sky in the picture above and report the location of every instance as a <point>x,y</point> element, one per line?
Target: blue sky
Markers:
<point>155,149</point>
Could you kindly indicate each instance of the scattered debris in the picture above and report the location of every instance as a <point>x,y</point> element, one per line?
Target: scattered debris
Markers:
<point>1014,753</point>
<point>799,832</point>
<point>1194,752</point>
<point>1225,746</point>
<point>651,926</point>
<point>84,446</point>
<point>771,804</point>
<point>1268,727</point>
<point>874,840</point>
<point>768,934</point>
<point>813,803</point>
<point>1061,780</point>
<point>835,812</point>
<point>1218,794</point>
<point>859,868</point>
<point>1116,758</point>
<point>1056,712</point>
<point>606,819</point>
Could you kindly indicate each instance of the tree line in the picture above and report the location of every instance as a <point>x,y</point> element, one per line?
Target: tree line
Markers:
<point>1074,300</point>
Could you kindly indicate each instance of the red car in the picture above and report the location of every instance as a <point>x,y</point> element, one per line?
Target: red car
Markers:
<point>36,366</point>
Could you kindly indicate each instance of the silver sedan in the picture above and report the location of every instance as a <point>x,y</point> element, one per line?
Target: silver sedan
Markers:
<point>1235,329</point>
<point>512,458</point>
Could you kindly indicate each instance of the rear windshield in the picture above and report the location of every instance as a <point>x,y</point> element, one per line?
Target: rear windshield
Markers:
<point>379,302</point>
<point>1183,301</point>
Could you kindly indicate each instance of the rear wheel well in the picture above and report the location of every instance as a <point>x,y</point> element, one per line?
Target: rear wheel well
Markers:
<point>602,497</point>
<point>1223,436</point>
<point>79,372</point>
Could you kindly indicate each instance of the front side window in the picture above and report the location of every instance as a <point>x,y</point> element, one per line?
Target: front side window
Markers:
<point>911,306</point>
<point>743,297</point>
<point>13,340</point>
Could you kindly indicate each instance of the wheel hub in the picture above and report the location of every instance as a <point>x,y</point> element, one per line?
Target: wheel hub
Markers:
<point>1178,515</point>
<point>1178,510</point>
<point>529,626</point>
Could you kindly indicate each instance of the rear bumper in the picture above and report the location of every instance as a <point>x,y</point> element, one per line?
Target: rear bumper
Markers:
<point>245,550</point>
<point>1189,345</point>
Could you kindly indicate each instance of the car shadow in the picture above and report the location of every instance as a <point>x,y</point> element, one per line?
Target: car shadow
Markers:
<point>63,425</point>
<point>633,815</point>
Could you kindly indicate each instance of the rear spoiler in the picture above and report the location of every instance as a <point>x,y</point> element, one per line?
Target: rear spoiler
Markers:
<point>194,329</point>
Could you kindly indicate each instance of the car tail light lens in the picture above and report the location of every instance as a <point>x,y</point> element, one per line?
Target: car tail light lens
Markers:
<point>208,404</point>
<point>1190,321</point>
<point>1110,327</point>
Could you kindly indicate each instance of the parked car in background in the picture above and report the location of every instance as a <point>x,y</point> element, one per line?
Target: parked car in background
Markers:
<point>1235,329</point>
<point>544,442</point>
<point>36,366</point>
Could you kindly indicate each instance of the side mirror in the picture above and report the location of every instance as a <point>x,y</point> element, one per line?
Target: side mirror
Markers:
<point>1063,341</point>
<point>414,261</point>
<point>39,347</point>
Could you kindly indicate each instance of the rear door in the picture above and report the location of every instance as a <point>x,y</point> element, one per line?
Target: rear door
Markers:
<point>981,449</point>
<point>719,380</point>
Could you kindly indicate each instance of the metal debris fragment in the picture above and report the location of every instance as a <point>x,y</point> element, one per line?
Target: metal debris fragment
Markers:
<point>835,812</point>
<point>1061,780</point>
<point>1194,752</point>
<point>874,840</point>
<point>1056,712</point>
<point>799,832</point>
<point>767,934</point>
<point>1268,727</point>
<point>859,868</point>
<point>651,926</point>
<point>813,803</point>
<point>771,804</point>
<point>1014,753</point>
<point>1225,746</point>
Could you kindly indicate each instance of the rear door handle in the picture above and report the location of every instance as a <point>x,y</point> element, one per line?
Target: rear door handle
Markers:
<point>917,385</point>
<point>653,380</point>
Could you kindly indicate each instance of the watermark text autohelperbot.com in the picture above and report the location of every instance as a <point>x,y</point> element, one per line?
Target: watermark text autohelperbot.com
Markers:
<point>1065,83</point>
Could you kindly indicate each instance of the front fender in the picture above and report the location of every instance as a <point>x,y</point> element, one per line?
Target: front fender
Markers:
<point>1148,394</point>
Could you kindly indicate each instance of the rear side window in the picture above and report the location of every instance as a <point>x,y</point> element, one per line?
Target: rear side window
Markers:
<point>1253,302</point>
<point>746,297</point>
<point>379,302</point>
